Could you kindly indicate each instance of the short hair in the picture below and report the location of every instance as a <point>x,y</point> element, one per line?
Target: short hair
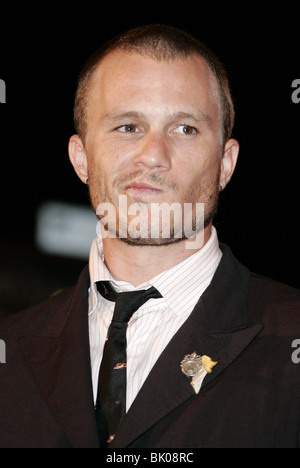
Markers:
<point>160,42</point>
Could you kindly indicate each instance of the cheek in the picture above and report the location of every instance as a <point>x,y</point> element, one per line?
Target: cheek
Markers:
<point>97,182</point>
<point>103,173</point>
<point>106,160</point>
<point>201,181</point>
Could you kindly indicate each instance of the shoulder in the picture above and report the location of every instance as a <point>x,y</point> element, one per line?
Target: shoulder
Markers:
<point>269,292</point>
<point>274,290</point>
<point>49,315</point>
<point>277,303</point>
<point>28,319</point>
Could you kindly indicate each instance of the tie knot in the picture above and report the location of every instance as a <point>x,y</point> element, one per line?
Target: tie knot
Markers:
<point>126,302</point>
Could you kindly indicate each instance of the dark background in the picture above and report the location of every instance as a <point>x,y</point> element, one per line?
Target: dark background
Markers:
<point>41,52</point>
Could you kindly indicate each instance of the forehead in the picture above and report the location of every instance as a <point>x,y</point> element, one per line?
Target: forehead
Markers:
<point>137,82</point>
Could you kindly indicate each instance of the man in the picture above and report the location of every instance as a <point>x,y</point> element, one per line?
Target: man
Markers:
<point>207,360</point>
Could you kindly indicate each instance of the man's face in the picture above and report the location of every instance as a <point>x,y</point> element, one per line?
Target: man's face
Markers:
<point>154,135</point>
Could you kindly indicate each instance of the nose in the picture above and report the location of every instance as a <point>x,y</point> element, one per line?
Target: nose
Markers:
<point>153,152</point>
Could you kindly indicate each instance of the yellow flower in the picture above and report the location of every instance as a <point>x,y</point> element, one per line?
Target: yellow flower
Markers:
<point>208,364</point>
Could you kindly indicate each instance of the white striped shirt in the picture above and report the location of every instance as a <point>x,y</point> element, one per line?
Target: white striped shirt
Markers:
<point>157,321</point>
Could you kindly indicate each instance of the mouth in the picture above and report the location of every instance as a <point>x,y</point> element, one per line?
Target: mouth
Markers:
<point>142,188</point>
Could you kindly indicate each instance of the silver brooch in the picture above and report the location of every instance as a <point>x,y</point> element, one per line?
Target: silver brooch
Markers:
<point>197,367</point>
<point>191,365</point>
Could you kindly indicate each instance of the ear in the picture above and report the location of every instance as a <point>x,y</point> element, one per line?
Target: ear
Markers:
<point>78,158</point>
<point>229,160</point>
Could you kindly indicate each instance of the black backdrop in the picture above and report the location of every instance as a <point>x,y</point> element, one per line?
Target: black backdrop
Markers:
<point>42,51</point>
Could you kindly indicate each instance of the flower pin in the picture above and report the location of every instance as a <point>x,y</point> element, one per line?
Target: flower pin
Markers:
<point>197,367</point>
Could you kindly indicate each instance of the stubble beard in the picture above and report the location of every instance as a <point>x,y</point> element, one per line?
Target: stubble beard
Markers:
<point>206,193</point>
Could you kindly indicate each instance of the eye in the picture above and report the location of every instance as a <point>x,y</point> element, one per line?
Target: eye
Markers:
<point>186,130</point>
<point>129,128</point>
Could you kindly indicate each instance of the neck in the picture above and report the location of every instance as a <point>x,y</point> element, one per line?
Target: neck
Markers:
<point>138,264</point>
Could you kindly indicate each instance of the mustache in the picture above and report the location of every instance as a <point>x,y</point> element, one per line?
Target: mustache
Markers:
<point>155,178</point>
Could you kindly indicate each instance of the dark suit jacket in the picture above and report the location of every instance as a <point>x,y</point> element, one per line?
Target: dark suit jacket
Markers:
<point>251,399</point>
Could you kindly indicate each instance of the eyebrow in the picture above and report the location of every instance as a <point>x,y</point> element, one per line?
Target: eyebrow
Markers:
<point>120,115</point>
<point>198,116</point>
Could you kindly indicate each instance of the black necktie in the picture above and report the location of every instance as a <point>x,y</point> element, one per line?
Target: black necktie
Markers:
<point>111,399</point>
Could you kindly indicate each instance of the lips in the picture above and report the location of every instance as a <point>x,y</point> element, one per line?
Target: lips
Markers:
<point>142,187</point>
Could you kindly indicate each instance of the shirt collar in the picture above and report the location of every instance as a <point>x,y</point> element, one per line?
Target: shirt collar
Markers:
<point>189,278</point>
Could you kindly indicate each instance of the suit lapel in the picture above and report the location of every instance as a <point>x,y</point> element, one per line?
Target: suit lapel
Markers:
<point>218,327</point>
<point>59,361</point>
